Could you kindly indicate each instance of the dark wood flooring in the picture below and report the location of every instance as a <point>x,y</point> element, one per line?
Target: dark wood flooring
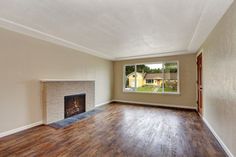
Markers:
<point>122,131</point>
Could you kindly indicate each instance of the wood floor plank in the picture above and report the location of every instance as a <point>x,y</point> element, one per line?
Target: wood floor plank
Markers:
<point>121,130</point>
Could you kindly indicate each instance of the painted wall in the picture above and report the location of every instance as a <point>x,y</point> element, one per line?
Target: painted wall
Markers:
<point>24,61</point>
<point>219,79</point>
<point>187,96</point>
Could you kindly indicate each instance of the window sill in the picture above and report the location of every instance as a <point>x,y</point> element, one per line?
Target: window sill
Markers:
<point>167,93</point>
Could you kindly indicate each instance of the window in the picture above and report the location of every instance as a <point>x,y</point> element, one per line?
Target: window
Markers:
<point>149,81</point>
<point>160,77</point>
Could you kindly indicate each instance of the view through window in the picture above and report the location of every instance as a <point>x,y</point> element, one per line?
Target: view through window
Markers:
<point>152,77</point>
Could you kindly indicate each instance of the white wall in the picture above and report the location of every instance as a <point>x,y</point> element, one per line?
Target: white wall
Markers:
<point>24,61</point>
<point>219,79</point>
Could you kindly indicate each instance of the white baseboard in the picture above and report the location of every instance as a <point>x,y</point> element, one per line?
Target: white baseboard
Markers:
<point>104,103</point>
<point>156,104</point>
<point>218,138</point>
<point>6,133</point>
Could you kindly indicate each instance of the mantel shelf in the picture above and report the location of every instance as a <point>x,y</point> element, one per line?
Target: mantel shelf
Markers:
<point>63,80</point>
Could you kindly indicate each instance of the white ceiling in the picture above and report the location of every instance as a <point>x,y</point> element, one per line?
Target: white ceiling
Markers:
<point>116,29</point>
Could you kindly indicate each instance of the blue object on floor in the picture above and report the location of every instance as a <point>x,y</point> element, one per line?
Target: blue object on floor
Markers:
<point>68,121</point>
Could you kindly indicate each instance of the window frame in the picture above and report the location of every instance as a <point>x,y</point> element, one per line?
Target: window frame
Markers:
<point>158,62</point>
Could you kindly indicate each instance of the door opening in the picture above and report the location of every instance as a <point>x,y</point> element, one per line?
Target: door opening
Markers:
<point>199,83</point>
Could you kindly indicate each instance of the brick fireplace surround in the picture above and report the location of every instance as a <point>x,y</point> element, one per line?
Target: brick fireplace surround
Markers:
<point>53,92</point>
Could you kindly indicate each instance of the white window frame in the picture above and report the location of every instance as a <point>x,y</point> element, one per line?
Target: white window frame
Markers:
<point>158,62</point>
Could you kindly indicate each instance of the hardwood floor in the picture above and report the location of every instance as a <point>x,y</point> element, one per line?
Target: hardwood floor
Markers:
<point>122,131</point>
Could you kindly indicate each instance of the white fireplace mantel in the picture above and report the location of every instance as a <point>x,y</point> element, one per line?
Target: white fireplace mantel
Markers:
<point>63,80</point>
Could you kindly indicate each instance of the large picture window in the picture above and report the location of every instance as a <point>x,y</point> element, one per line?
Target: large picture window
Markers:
<point>162,77</point>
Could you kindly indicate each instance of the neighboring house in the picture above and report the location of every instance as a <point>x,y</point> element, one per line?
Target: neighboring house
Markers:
<point>154,79</point>
<point>131,79</point>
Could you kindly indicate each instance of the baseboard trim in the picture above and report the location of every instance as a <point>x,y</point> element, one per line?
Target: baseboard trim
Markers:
<point>156,104</point>
<point>218,138</point>
<point>104,103</point>
<point>6,133</point>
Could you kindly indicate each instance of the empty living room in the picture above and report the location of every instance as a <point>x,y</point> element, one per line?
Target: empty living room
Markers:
<point>113,78</point>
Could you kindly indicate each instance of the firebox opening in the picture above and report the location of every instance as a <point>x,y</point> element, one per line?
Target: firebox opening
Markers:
<point>74,104</point>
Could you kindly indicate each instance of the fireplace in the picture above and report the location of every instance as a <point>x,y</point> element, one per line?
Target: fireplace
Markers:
<point>74,104</point>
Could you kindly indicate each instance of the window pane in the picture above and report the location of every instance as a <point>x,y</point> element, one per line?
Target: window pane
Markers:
<point>129,78</point>
<point>171,77</point>
<point>149,78</point>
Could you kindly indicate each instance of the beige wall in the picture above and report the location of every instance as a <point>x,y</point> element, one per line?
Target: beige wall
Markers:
<point>24,61</point>
<point>187,95</point>
<point>219,79</point>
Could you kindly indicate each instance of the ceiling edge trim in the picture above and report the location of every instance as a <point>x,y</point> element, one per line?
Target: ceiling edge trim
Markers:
<point>206,24</point>
<point>22,29</point>
<point>196,27</point>
<point>164,54</point>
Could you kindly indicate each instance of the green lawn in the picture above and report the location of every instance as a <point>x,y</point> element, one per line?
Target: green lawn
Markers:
<point>167,89</point>
<point>159,90</point>
<point>146,89</point>
<point>152,88</point>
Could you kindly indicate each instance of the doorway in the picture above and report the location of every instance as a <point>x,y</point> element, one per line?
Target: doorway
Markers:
<point>199,83</point>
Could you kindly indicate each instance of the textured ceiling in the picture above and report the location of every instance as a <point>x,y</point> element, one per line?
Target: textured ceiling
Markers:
<point>116,29</point>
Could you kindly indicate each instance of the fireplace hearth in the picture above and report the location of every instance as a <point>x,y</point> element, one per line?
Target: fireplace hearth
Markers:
<point>74,104</point>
